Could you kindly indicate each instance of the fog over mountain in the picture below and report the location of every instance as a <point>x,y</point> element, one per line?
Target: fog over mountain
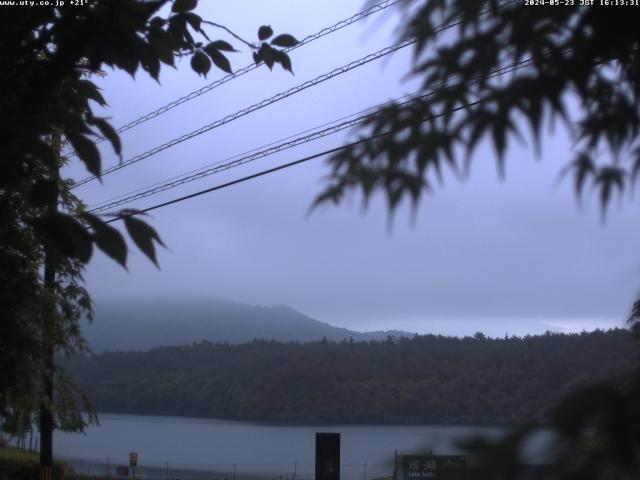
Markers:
<point>145,324</point>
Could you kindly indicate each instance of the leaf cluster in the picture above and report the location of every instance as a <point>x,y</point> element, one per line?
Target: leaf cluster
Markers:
<point>579,65</point>
<point>267,52</point>
<point>594,437</point>
<point>47,59</point>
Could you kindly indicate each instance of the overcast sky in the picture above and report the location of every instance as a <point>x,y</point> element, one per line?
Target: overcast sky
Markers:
<point>501,257</point>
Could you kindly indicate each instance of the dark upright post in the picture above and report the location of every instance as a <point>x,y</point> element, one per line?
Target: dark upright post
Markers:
<point>327,456</point>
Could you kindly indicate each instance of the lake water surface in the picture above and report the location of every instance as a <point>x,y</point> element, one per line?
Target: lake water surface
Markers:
<point>176,447</point>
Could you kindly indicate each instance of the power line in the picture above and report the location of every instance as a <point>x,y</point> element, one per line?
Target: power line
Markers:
<point>235,182</point>
<point>256,106</point>
<point>503,71</point>
<point>273,148</point>
<point>229,118</point>
<point>219,166</point>
<point>275,169</point>
<point>248,68</point>
<point>243,154</point>
<point>262,104</point>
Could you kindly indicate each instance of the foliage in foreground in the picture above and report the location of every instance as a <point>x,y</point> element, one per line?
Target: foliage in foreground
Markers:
<point>579,65</point>
<point>16,465</point>
<point>48,56</point>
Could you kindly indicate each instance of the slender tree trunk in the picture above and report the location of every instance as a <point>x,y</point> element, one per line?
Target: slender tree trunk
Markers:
<point>46,417</point>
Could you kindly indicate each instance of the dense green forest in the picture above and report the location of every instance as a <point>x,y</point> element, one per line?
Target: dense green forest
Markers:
<point>426,379</point>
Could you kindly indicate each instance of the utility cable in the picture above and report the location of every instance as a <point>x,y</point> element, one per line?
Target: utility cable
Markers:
<point>262,104</point>
<point>219,166</point>
<point>248,68</point>
<point>276,147</point>
<point>278,168</point>
<point>241,180</point>
<point>516,66</point>
<point>246,111</point>
<point>242,154</point>
<point>280,96</point>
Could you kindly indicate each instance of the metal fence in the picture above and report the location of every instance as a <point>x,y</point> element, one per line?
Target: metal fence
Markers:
<point>228,471</point>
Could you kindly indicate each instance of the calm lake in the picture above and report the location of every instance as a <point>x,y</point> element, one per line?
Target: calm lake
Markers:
<point>176,447</point>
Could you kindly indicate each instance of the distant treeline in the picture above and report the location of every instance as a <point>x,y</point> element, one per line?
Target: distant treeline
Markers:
<point>426,379</point>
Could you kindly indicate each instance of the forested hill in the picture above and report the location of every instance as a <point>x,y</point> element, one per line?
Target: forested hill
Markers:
<point>426,379</point>
<point>145,324</point>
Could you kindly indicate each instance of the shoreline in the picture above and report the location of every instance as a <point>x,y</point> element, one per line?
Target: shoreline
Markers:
<point>265,423</point>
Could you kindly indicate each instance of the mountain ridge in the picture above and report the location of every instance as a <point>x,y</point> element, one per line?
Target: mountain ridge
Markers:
<point>146,324</point>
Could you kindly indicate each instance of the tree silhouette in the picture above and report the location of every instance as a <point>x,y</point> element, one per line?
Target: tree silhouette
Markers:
<point>48,56</point>
<point>585,55</point>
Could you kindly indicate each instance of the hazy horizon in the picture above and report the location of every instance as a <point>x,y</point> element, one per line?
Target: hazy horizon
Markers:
<point>494,327</point>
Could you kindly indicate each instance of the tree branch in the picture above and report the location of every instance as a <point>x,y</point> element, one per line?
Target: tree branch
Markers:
<point>234,35</point>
